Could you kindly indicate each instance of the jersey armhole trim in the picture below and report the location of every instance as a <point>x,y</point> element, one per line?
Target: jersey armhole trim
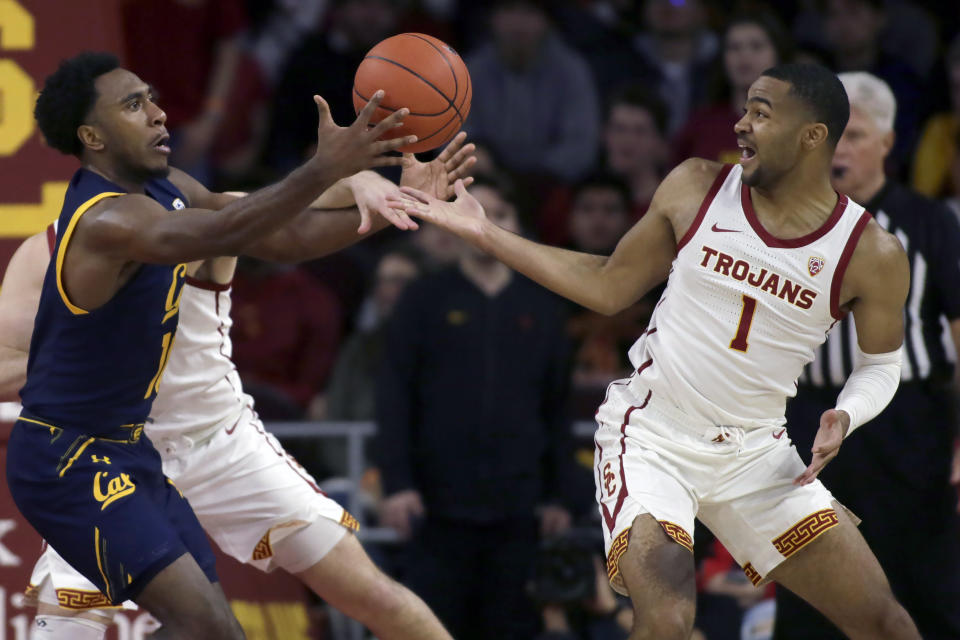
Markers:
<point>65,240</point>
<point>852,241</point>
<point>707,201</point>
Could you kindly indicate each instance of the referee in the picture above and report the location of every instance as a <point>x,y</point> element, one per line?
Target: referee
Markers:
<point>895,472</point>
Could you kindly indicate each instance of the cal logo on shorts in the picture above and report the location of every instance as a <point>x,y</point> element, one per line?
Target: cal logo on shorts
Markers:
<point>107,490</point>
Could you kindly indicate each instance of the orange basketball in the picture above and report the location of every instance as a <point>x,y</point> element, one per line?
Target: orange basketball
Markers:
<point>421,73</point>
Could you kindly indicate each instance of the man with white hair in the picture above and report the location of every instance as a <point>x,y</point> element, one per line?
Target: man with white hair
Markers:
<point>896,475</point>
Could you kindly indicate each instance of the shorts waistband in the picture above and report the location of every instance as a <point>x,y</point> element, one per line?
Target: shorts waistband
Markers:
<point>125,433</point>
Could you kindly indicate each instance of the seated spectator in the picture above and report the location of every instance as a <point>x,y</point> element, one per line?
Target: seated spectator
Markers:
<point>937,149</point>
<point>286,337</point>
<point>534,102</point>
<point>752,42</point>
<point>635,150</point>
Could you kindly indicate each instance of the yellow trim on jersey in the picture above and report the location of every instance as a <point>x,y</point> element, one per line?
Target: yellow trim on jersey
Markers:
<point>38,422</point>
<point>62,249</point>
<point>103,573</point>
<point>76,455</point>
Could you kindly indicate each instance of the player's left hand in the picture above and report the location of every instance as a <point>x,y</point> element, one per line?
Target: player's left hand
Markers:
<point>371,193</point>
<point>437,176</point>
<point>833,427</point>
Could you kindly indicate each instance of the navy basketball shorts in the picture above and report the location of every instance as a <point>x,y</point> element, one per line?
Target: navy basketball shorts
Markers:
<point>103,503</point>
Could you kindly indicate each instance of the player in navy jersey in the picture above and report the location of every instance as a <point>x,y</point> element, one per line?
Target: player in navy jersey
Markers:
<point>78,465</point>
<point>761,258</point>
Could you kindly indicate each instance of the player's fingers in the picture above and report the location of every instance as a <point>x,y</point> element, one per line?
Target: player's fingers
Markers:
<point>459,157</point>
<point>392,121</point>
<point>453,147</point>
<point>392,144</point>
<point>323,110</point>
<point>365,222</point>
<point>363,118</point>
<point>462,170</point>
<point>459,188</point>
<point>416,194</point>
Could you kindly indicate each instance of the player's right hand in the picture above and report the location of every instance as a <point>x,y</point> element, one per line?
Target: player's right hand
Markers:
<point>464,216</point>
<point>343,151</point>
<point>834,425</point>
<point>399,510</point>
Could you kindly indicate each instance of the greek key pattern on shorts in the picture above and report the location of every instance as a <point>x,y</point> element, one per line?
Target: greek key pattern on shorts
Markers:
<point>263,550</point>
<point>348,521</point>
<point>678,533</point>
<point>79,599</point>
<point>805,531</point>
<point>617,548</point>
<point>752,574</point>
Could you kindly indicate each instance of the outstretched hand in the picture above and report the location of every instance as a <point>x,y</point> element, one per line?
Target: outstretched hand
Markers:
<point>343,151</point>
<point>464,216</point>
<point>833,427</point>
<point>438,176</point>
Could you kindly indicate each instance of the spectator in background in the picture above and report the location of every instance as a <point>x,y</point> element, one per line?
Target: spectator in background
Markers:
<point>285,338</point>
<point>674,55</point>
<point>752,42</point>
<point>350,395</point>
<point>534,102</point>
<point>894,473</point>
<point>635,151</point>
<point>937,148</point>
<point>325,64</point>
<point>599,217</point>
<point>197,77</point>
<point>853,29</point>
<point>470,405</point>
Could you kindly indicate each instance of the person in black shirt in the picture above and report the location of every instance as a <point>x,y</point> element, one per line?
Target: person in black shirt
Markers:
<point>895,473</point>
<point>473,436</point>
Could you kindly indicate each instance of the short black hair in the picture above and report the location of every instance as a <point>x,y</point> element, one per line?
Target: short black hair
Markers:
<point>67,97</point>
<point>605,180</point>
<point>639,96</point>
<point>821,91</point>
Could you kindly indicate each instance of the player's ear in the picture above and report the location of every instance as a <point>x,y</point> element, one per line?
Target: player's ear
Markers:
<point>90,137</point>
<point>814,135</point>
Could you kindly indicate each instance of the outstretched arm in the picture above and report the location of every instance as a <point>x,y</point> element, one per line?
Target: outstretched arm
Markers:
<point>19,299</point>
<point>876,287</point>
<point>332,222</point>
<point>135,228</point>
<point>640,261</point>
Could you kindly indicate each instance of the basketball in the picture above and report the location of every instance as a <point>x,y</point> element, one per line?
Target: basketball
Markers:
<point>423,74</point>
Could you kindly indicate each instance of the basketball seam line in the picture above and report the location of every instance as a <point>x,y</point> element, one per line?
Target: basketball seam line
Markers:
<point>456,83</point>
<point>392,109</point>
<point>424,80</point>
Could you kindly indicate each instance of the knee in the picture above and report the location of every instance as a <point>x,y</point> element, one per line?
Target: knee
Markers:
<point>673,622</point>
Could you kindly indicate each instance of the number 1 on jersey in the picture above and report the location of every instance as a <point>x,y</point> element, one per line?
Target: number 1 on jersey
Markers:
<point>739,341</point>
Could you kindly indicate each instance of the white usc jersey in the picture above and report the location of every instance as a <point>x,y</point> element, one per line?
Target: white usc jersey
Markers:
<point>743,310</point>
<point>200,390</point>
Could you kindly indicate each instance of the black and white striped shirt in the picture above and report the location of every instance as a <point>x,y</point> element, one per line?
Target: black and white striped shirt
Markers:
<point>930,234</point>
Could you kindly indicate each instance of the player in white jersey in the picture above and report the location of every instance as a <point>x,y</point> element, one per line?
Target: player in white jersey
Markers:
<point>761,260</point>
<point>254,499</point>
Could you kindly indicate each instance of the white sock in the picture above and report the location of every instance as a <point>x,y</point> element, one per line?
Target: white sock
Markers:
<point>47,627</point>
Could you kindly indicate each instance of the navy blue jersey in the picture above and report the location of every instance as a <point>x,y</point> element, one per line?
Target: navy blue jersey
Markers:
<point>92,370</point>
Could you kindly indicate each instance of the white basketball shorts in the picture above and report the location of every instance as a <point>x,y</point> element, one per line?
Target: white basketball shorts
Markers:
<point>652,459</point>
<point>247,492</point>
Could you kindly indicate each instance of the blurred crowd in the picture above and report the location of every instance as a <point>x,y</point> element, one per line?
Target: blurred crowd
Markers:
<point>580,108</point>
